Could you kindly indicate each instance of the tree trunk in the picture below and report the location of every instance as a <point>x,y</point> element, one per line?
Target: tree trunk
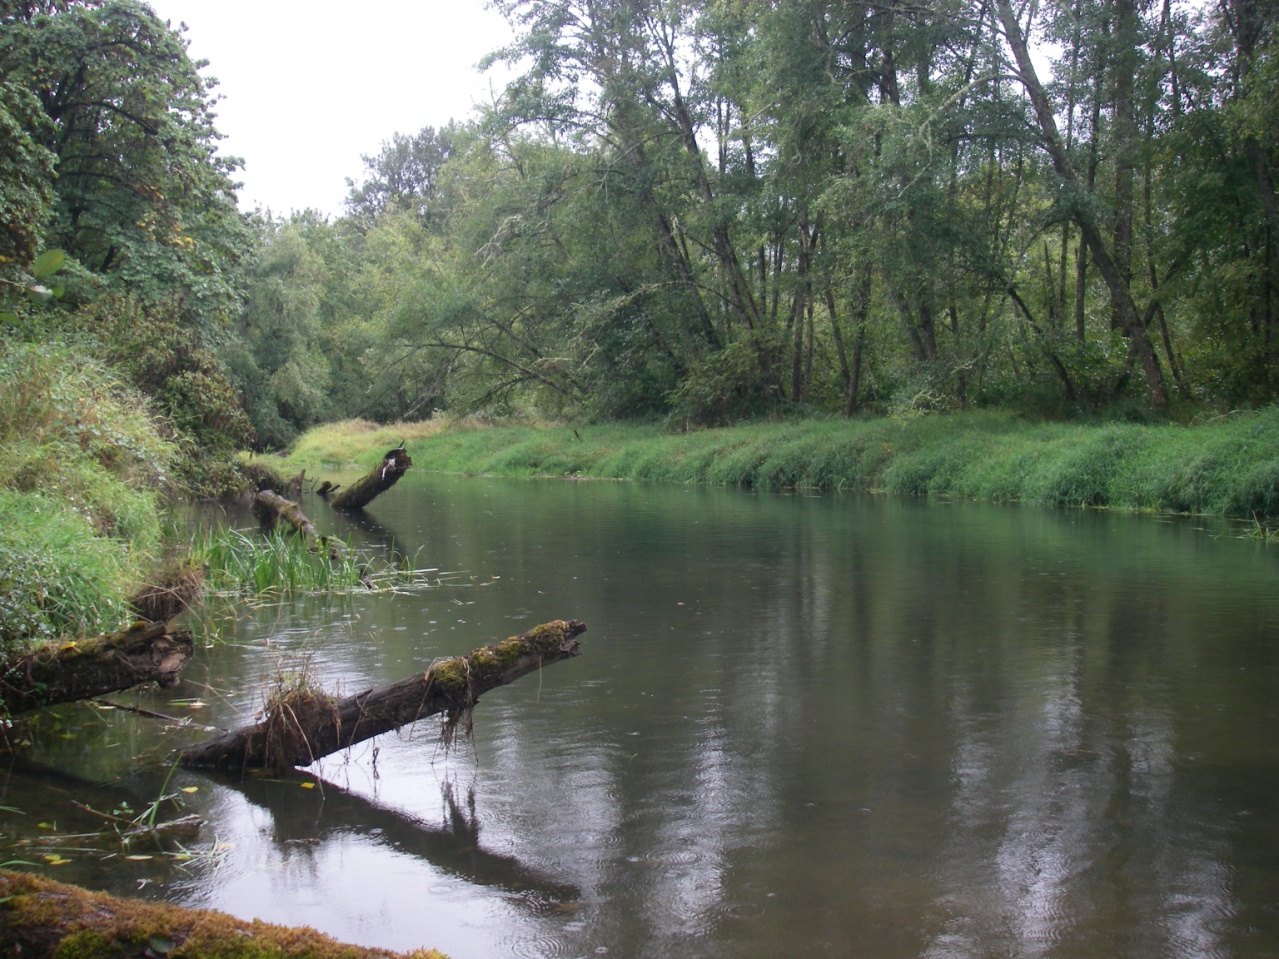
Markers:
<point>1083,215</point>
<point>383,476</point>
<point>40,915</point>
<point>271,508</point>
<point>301,726</point>
<point>145,652</point>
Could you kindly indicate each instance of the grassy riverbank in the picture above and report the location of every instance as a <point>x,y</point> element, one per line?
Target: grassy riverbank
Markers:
<point>1226,467</point>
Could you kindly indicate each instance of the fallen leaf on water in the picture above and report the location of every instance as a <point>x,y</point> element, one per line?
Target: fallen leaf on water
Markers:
<point>190,789</point>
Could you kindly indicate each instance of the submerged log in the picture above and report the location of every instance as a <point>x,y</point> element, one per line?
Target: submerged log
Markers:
<point>373,484</point>
<point>271,509</point>
<point>40,916</point>
<point>62,673</point>
<point>300,727</point>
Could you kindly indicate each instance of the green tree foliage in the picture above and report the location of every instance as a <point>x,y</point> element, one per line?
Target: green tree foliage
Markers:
<point>26,178</point>
<point>711,211</point>
<point>110,166</point>
<point>404,178</point>
<point>141,199</point>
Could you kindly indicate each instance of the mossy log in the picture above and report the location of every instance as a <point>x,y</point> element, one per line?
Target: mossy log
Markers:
<point>299,727</point>
<point>66,672</point>
<point>381,478</point>
<point>42,919</point>
<point>271,509</point>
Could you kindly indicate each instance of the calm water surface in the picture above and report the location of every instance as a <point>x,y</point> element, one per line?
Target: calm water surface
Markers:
<point>800,725</point>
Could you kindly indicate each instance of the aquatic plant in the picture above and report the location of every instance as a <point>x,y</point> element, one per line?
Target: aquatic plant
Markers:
<point>249,563</point>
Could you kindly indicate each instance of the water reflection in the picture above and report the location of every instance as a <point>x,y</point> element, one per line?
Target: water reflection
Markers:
<point>804,725</point>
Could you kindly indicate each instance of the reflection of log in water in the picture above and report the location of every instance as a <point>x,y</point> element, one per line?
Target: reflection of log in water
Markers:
<point>376,531</point>
<point>452,847</point>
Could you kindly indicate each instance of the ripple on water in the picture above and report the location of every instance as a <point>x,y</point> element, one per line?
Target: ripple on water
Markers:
<point>548,945</point>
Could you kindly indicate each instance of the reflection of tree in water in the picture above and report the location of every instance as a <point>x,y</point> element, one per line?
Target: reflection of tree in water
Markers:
<point>370,532</point>
<point>328,811</point>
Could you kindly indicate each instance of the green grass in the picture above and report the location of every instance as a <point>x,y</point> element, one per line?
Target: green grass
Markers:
<point>1226,467</point>
<point>82,462</point>
<point>58,577</point>
<point>248,563</point>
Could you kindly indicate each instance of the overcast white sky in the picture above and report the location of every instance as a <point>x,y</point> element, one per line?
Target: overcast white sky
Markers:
<point>309,86</point>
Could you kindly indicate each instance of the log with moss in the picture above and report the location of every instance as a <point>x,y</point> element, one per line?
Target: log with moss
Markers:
<point>381,478</point>
<point>43,919</point>
<point>272,509</point>
<point>300,726</point>
<point>84,668</point>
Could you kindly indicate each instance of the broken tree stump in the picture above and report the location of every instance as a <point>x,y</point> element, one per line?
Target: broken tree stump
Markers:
<point>70,671</point>
<point>300,727</point>
<point>381,478</point>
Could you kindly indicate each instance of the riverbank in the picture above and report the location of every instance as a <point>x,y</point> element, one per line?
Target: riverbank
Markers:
<point>1227,467</point>
<point>43,918</point>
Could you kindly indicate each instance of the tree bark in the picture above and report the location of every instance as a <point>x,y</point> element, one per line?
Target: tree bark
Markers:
<point>383,476</point>
<point>40,915</point>
<point>302,726</point>
<point>145,652</point>
<point>1103,258</point>
<point>271,509</point>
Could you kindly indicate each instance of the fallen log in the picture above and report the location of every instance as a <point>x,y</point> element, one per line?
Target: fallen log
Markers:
<point>301,726</point>
<point>40,916</point>
<point>84,668</point>
<point>376,482</point>
<point>271,509</point>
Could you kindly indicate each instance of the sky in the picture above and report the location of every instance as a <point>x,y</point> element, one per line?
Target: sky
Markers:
<point>310,86</point>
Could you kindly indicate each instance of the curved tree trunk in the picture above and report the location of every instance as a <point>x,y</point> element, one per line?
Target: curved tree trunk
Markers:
<point>373,484</point>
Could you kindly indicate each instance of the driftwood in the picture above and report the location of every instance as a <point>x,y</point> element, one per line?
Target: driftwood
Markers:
<point>300,727</point>
<point>61,673</point>
<point>373,484</point>
<point>271,509</point>
<point>40,915</point>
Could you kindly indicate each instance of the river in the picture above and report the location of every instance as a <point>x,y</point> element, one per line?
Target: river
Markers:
<point>804,725</point>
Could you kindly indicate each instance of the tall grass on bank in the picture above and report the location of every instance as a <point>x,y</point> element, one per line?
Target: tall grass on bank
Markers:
<point>248,563</point>
<point>1225,467</point>
<point>58,577</point>
<point>82,459</point>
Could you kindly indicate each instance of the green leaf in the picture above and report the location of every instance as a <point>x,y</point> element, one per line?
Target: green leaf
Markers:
<point>48,263</point>
<point>8,317</point>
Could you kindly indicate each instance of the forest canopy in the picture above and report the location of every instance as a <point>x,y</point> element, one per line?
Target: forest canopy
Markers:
<point>699,211</point>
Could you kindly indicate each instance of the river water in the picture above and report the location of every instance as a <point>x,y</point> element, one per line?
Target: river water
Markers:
<point>800,725</point>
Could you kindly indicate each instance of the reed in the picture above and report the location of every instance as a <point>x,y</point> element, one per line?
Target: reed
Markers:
<point>248,563</point>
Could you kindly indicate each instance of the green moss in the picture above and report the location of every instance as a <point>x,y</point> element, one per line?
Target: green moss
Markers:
<point>88,944</point>
<point>97,926</point>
